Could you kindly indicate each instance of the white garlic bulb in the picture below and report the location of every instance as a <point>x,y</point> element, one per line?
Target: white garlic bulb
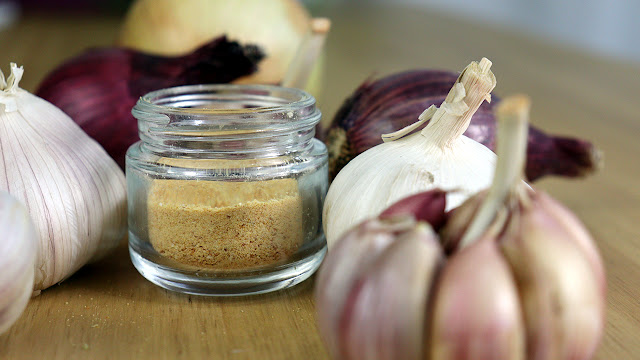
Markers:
<point>17,259</point>
<point>439,156</point>
<point>74,192</point>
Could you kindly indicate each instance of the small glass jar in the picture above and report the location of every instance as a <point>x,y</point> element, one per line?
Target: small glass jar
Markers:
<point>226,188</point>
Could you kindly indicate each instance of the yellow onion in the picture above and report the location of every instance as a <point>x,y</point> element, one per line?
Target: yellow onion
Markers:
<point>175,27</point>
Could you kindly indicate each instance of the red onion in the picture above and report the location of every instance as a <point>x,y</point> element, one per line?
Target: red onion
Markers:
<point>393,102</point>
<point>98,88</point>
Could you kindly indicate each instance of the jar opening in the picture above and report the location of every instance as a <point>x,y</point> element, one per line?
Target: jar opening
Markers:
<point>214,119</point>
<point>222,106</point>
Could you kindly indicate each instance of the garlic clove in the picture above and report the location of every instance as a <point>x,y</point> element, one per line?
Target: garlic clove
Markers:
<point>352,257</point>
<point>17,259</point>
<point>384,315</point>
<point>563,305</point>
<point>476,312</point>
<point>577,233</point>
<point>458,221</point>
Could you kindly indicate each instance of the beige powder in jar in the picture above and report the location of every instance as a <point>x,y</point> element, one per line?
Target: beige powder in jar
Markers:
<point>225,224</point>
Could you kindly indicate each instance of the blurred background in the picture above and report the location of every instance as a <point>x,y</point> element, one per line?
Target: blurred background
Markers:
<point>610,28</point>
<point>605,28</point>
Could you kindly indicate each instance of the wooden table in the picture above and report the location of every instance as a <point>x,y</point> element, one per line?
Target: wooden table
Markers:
<point>108,311</point>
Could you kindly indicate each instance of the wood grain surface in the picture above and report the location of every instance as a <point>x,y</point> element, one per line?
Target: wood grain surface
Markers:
<point>108,311</point>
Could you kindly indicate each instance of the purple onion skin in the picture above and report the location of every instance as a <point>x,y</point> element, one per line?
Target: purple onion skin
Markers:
<point>395,101</point>
<point>98,88</point>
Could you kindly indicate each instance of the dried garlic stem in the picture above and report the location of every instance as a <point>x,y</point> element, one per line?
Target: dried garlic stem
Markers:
<point>423,118</point>
<point>454,115</point>
<point>452,118</point>
<point>307,55</point>
<point>10,87</point>
<point>513,120</point>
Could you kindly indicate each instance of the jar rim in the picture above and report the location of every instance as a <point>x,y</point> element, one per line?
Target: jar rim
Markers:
<point>149,103</point>
<point>212,118</point>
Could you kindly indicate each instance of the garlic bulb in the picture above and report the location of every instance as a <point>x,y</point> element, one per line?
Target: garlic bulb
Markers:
<point>74,192</point>
<point>17,259</point>
<point>526,283</point>
<point>438,156</point>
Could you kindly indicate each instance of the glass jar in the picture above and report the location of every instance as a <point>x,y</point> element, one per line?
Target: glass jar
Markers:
<point>225,189</point>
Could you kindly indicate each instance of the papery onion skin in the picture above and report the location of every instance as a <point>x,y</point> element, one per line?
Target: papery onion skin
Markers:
<point>175,27</point>
<point>99,87</point>
<point>395,101</point>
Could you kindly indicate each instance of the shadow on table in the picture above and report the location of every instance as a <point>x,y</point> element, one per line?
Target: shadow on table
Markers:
<point>115,276</point>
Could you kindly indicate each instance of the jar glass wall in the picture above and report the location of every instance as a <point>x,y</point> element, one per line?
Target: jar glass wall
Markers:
<point>226,188</point>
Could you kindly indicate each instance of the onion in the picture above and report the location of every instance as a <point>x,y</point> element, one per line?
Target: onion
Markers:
<point>174,27</point>
<point>395,101</point>
<point>98,88</point>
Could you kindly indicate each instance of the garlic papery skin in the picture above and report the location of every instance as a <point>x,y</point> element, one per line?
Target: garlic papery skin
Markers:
<point>438,156</point>
<point>17,259</point>
<point>74,192</point>
<point>476,312</point>
<point>373,290</point>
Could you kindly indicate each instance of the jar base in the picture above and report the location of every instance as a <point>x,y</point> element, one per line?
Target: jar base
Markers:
<point>208,283</point>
